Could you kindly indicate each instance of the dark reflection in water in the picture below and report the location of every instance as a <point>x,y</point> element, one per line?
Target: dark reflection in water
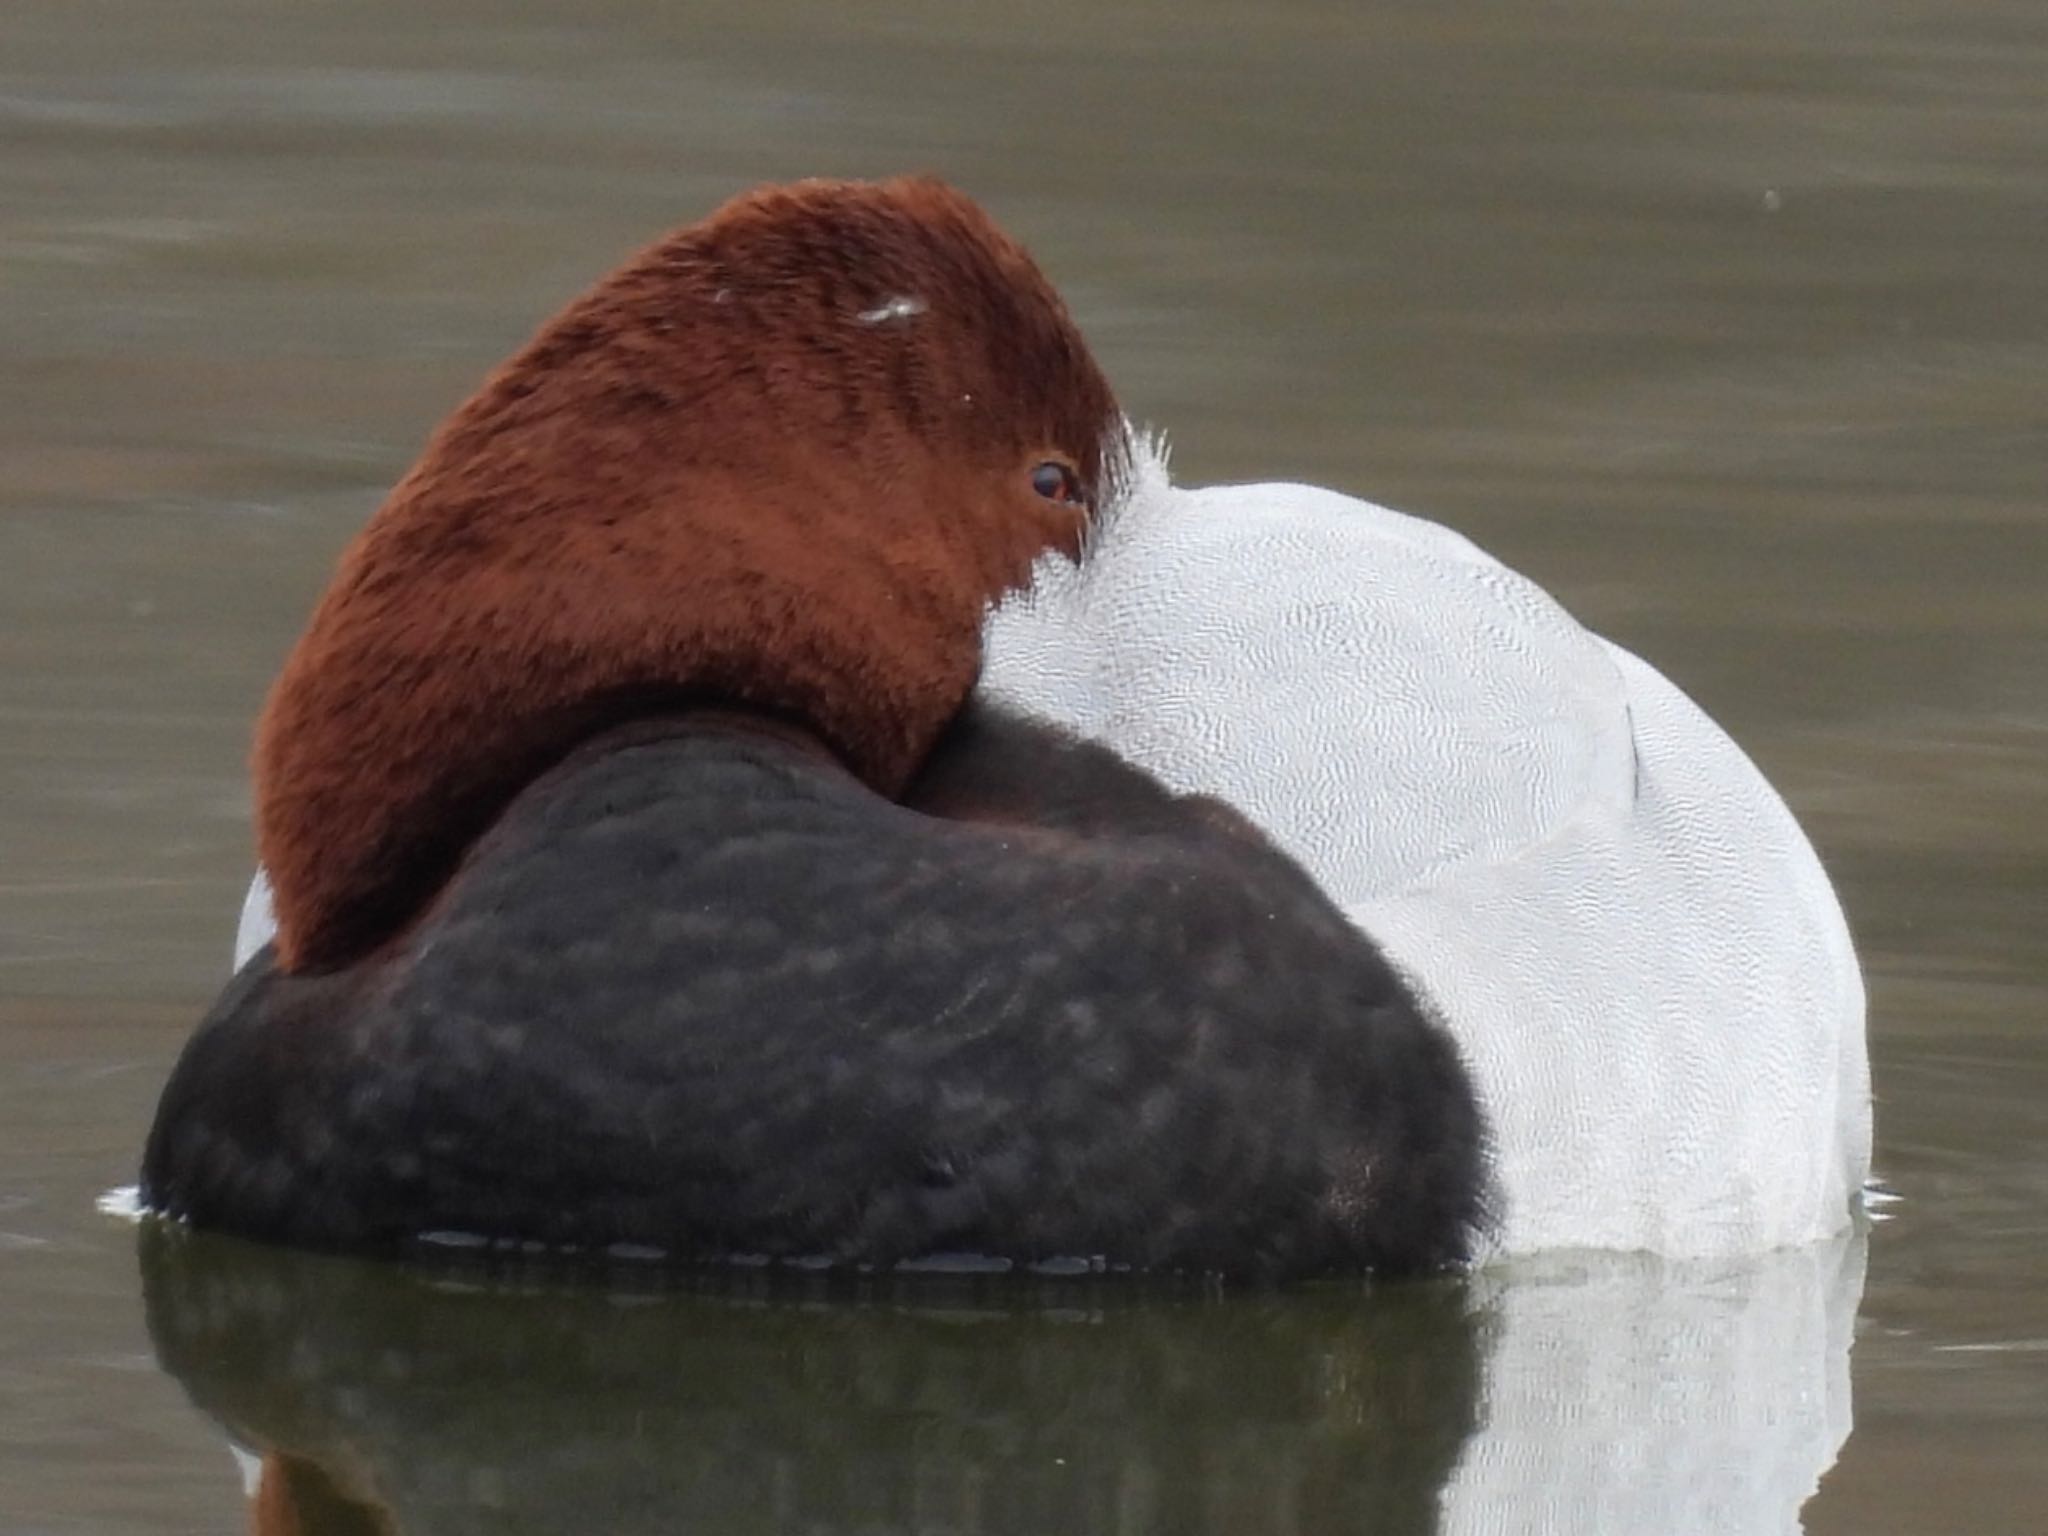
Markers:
<point>393,1400</point>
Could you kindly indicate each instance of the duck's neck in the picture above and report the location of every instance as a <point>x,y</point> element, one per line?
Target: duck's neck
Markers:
<point>441,674</point>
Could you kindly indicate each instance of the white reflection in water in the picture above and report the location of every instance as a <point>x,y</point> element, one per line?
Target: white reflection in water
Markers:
<point>1624,1394</point>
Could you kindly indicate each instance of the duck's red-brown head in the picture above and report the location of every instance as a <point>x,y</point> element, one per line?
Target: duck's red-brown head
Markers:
<point>785,458</point>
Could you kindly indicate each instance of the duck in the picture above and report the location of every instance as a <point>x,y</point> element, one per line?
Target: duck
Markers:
<point>1600,895</point>
<point>649,884</point>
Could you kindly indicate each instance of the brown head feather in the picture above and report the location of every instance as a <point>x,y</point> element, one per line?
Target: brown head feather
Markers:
<point>782,458</point>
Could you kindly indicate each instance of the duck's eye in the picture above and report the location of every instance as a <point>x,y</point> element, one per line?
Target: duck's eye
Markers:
<point>1055,482</point>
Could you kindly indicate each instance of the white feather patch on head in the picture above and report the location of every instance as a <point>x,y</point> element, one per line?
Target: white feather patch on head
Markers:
<point>902,306</point>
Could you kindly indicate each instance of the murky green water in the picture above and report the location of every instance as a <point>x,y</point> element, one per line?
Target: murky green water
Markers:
<point>1727,321</point>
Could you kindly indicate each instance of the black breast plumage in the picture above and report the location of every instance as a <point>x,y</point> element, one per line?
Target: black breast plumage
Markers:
<point>700,992</point>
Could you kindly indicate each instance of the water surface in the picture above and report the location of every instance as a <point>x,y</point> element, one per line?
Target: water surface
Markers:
<point>1727,322</point>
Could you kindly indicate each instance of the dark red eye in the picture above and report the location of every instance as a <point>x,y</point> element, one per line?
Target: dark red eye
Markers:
<point>1055,482</point>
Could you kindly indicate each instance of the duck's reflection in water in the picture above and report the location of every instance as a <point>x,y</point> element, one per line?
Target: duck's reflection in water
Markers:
<point>1571,1396</point>
<point>1623,1394</point>
<point>382,1399</point>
